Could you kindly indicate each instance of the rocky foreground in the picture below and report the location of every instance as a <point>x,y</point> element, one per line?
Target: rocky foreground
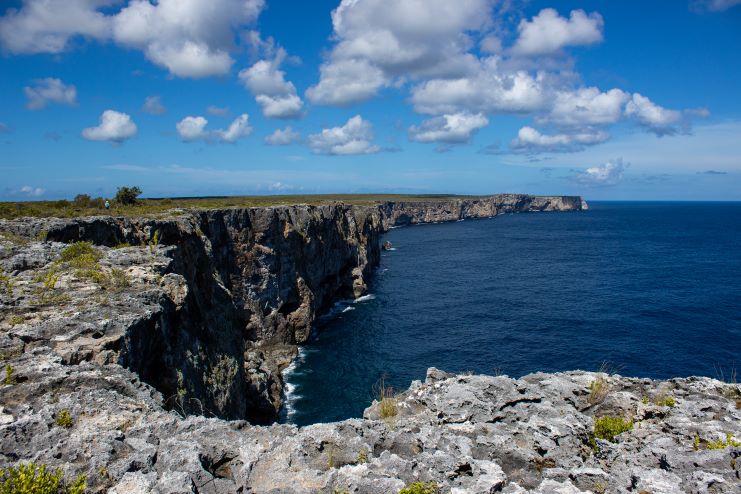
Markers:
<point>138,352</point>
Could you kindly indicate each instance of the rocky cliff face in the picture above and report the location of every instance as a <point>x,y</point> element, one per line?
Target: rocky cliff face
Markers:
<point>219,299</point>
<point>171,325</point>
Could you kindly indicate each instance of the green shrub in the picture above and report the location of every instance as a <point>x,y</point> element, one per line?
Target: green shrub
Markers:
<point>9,379</point>
<point>119,280</point>
<point>721,444</point>
<point>609,427</point>
<point>64,419</point>
<point>80,255</point>
<point>421,488</point>
<point>386,400</point>
<point>37,479</point>
<point>127,196</point>
<point>362,457</point>
<point>665,401</point>
<point>6,285</point>
<point>81,201</point>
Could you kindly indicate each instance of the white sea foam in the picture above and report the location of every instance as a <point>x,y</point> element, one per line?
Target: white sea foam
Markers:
<point>364,298</point>
<point>290,394</point>
<point>348,308</point>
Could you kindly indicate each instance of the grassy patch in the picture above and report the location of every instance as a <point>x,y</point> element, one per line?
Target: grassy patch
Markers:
<point>362,457</point>
<point>67,209</point>
<point>598,390</point>
<point>421,488</point>
<point>609,427</point>
<point>387,401</point>
<point>37,479</point>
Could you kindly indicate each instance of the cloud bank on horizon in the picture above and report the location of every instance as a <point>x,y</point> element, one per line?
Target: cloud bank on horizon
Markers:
<point>445,72</point>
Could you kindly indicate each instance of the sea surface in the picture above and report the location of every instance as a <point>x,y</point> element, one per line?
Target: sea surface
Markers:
<point>653,288</point>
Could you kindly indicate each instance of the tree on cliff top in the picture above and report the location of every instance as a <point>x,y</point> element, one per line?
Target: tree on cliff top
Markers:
<point>127,195</point>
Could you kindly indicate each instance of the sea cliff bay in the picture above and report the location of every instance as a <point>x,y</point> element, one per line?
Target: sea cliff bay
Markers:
<point>147,353</point>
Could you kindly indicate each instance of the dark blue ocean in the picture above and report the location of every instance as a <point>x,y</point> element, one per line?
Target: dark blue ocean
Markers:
<point>653,288</point>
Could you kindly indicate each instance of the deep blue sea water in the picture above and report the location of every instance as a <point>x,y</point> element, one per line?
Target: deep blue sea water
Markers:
<point>652,288</point>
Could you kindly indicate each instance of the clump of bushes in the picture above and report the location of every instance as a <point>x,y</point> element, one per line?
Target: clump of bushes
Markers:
<point>80,255</point>
<point>127,196</point>
<point>609,427</point>
<point>421,488</point>
<point>6,285</point>
<point>37,479</point>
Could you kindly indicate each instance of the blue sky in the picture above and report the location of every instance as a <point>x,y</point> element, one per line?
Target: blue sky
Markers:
<point>610,100</point>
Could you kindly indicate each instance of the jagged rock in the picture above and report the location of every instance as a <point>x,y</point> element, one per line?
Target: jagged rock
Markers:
<point>159,372</point>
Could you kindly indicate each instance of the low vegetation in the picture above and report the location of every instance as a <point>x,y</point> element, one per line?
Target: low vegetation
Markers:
<point>609,427</point>
<point>64,419</point>
<point>362,457</point>
<point>387,401</point>
<point>722,444</point>
<point>9,379</point>
<point>37,479</point>
<point>6,285</point>
<point>70,209</point>
<point>598,390</point>
<point>421,488</point>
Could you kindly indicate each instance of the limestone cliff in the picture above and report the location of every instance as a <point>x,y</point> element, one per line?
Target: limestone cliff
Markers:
<point>220,298</point>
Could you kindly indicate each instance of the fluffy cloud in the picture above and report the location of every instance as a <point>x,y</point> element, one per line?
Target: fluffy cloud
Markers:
<point>190,38</point>
<point>489,89</point>
<point>380,40</point>
<point>46,26</point>
<point>273,93</point>
<point>658,120</point>
<point>610,173</point>
<point>352,138</point>
<point>49,90</point>
<point>153,105</point>
<point>586,106</point>
<point>531,141</point>
<point>114,126</point>
<point>548,32</point>
<point>455,128</point>
<point>283,137</point>
<point>194,128</point>
<point>344,82</point>
<point>32,191</point>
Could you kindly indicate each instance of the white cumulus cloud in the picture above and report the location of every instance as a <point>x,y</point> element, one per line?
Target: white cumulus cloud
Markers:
<point>355,137</point>
<point>586,106</point>
<point>190,38</point>
<point>454,128</point>
<point>548,32</point>
<point>49,90</point>
<point>46,26</point>
<point>272,91</point>
<point>283,137</point>
<point>610,173</point>
<point>657,119</point>
<point>153,105</point>
<point>489,89</point>
<point>532,141</point>
<point>114,126</point>
<point>194,128</point>
<point>381,40</point>
<point>217,111</point>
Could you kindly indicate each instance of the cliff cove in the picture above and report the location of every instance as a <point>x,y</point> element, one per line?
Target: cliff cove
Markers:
<point>168,352</point>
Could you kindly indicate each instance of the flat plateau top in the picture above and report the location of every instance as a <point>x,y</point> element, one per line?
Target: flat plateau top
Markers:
<point>68,209</point>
